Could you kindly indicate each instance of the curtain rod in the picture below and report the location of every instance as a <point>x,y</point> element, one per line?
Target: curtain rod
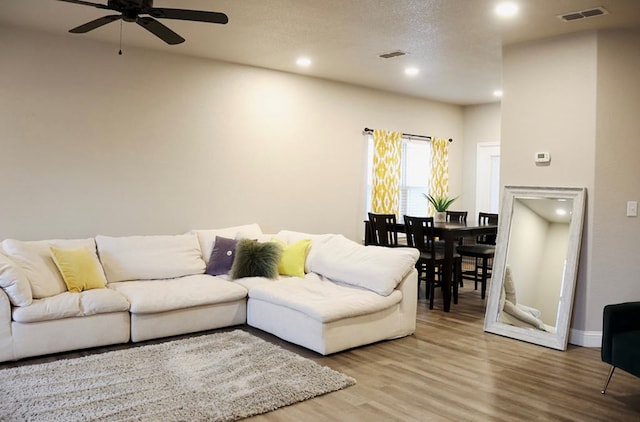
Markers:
<point>405,135</point>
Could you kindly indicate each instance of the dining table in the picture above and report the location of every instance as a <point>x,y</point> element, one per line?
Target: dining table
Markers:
<point>449,233</point>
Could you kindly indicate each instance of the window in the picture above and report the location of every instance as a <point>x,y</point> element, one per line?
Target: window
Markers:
<point>415,173</point>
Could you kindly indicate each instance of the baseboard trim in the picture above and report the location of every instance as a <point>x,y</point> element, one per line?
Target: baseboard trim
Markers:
<point>585,338</point>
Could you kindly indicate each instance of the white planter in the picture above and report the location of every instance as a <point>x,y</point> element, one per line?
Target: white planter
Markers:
<point>440,217</point>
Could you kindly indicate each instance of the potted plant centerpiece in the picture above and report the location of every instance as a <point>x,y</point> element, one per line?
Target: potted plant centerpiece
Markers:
<point>440,204</point>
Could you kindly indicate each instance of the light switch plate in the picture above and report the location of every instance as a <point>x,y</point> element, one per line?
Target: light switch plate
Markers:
<point>632,208</point>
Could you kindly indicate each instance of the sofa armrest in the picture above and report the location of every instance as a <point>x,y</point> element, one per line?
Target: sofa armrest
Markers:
<point>618,318</point>
<point>6,341</point>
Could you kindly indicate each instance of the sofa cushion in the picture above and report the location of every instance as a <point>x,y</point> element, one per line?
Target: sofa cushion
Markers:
<point>77,268</point>
<point>321,299</point>
<point>14,282</point>
<point>152,296</point>
<point>255,259</point>
<point>222,256</point>
<point>63,305</point>
<point>317,240</point>
<point>35,259</point>
<point>206,238</point>
<point>293,258</point>
<point>68,305</point>
<point>251,282</point>
<point>102,301</point>
<point>150,257</point>
<point>376,268</point>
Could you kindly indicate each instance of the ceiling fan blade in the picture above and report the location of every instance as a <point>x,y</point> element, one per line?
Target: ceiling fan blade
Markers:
<point>187,15</point>
<point>159,30</point>
<point>88,3</point>
<point>90,26</point>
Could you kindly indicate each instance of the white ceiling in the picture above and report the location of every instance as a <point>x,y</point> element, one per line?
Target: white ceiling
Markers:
<point>551,209</point>
<point>456,44</point>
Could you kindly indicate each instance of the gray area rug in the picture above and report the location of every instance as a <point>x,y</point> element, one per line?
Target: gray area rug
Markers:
<point>216,377</point>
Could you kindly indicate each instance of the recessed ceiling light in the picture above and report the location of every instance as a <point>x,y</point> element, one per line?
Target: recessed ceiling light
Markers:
<point>506,9</point>
<point>497,93</point>
<point>560,211</point>
<point>411,71</point>
<point>303,62</point>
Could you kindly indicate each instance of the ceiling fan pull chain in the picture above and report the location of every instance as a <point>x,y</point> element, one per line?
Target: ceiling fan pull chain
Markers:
<point>120,51</point>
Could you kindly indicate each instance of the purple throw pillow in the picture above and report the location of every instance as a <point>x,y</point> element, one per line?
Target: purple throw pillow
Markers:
<point>222,256</point>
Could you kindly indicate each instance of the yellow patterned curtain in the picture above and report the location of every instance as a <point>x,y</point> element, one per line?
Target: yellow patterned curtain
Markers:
<point>387,148</point>
<point>439,183</point>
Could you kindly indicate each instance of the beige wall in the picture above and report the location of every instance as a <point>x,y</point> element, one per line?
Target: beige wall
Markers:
<point>550,272</point>
<point>550,106</point>
<point>615,259</point>
<point>577,97</point>
<point>145,143</point>
<point>481,125</point>
<point>527,240</point>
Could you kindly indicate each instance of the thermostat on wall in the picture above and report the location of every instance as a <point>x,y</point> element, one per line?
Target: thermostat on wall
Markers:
<point>543,158</point>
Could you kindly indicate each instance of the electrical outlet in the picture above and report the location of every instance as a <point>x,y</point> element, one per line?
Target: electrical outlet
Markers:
<point>632,208</point>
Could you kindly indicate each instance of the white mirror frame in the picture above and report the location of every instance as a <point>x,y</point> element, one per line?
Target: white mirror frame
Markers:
<point>559,339</point>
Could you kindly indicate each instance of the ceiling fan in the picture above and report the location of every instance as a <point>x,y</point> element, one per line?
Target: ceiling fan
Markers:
<point>130,11</point>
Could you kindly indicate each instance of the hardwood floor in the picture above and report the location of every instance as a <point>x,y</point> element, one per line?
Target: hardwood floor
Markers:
<point>450,370</point>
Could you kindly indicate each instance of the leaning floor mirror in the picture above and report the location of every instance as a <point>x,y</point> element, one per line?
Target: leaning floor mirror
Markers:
<point>535,265</point>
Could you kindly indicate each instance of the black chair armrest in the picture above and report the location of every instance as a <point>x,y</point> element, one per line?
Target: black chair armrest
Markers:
<point>618,318</point>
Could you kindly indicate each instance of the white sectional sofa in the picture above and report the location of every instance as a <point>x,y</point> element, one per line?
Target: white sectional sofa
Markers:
<point>343,294</point>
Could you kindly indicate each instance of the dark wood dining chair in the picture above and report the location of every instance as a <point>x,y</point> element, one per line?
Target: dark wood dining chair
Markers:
<point>482,251</point>
<point>383,230</point>
<point>459,217</point>
<point>420,236</point>
<point>456,217</point>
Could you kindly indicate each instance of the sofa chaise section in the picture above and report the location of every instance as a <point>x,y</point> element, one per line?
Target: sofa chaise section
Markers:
<point>352,295</point>
<point>328,318</point>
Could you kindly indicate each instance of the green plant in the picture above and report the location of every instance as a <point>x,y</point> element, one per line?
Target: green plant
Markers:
<point>440,203</point>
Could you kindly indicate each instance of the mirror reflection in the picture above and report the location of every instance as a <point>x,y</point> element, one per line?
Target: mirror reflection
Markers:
<point>536,258</point>
<point>536,262</point>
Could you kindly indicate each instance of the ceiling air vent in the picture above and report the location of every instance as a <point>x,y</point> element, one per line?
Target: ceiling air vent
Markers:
<point>582,14</point>
<point>392,54</point>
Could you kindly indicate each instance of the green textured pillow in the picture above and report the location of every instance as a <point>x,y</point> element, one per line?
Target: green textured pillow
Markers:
<point>255,259</point>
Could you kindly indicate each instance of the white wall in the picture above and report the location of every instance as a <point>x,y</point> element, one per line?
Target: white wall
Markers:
<point>145,143</point>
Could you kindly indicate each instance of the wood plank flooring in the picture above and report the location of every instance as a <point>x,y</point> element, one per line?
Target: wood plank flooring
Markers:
<point>450,370</point>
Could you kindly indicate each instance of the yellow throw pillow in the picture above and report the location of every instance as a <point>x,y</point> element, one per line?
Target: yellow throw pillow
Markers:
<point>293,257</point>
<point>78,269</point>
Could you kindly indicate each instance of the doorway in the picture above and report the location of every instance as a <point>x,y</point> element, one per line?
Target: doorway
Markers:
<point>488,177</point>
